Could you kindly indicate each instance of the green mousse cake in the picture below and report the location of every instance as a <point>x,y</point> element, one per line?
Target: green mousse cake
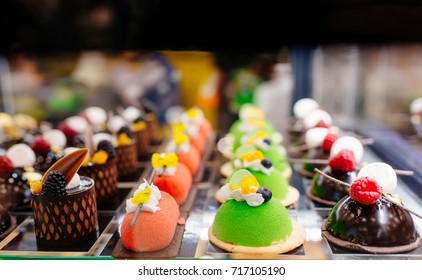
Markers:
<point>238,223</point>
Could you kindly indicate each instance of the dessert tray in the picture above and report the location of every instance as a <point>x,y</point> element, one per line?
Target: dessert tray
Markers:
<point>191,238</point>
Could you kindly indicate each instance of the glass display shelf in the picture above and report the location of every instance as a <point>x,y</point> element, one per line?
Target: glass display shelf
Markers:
<point>201,206</point>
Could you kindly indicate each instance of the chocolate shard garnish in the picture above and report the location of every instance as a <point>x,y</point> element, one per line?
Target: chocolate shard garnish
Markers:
<point>68,164</point>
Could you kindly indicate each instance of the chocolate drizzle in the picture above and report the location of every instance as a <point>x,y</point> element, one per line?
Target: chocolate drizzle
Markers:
<point>380,224</point>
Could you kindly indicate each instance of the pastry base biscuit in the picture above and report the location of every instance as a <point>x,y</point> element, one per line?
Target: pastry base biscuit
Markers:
<point>320,200</point>
<point>295,239</point>
<point>367,249</point>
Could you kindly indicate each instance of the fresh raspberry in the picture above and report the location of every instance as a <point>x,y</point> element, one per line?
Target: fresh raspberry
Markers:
<point>365,190</point>
<point>6,166</point>
<point>343,161</point>
<point>321,123</point>
<point>328,142</point>
<point>40,145</point>
<point>67,130</point>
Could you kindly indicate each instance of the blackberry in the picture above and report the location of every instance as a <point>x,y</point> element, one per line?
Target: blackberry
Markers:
<point>266,163</point>
<point>267,141</point>
<point>55,184</point>
<point>126,129</point>
<point>106,146</point>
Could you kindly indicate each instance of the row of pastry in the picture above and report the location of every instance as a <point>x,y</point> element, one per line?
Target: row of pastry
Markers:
<point>366,214</point>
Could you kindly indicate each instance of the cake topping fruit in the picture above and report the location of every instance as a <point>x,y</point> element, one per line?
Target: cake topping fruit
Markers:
<point>365,190</point>
<point>243,186</point>
<point>54,184</point>
<point>248,185</point>
<point>314,137</point>
<point>105,145</point>
<point>266,193</point>
<point>343,161</point>
<point>40,145</point>
<point>267,141</point>
<point>67,130</point>
<point>383,173</point>
<point>6,165</point>
<point>328,141</point>
<point>266,163</point>
<point>99,157</point>
<point>348,142</point>
<point>124,136</point>
<point>139,124</point>
<point>315,117</point>
<point>252,156</point>
<point>322,123</point>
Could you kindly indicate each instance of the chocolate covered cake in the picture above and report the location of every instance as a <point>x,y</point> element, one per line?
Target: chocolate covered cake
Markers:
<point>14,188</point>
<point>369,219</point>
<point>64,206</point>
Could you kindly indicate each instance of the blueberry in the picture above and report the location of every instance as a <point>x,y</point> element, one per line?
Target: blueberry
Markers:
<point>266,193</point>
<point>266,163</point>
<point>267,141</point>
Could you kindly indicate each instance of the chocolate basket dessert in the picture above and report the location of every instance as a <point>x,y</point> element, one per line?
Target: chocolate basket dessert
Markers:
<point>142,139</point>
<point>102,168</point>
<point>64,206</point>
<point>127,155</point>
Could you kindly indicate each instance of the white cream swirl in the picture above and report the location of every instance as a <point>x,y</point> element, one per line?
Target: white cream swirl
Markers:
<point>151,205</point>
<point>252,165</point>
<point>252,199</point>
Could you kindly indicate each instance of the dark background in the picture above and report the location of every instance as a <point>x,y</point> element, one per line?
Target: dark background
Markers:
<point>232,26</point>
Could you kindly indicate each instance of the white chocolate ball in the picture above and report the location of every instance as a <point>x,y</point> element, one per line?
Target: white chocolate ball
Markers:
<point>350,143</point>
<point>77,123</point>
<point>312,119</point>
<point>96,115</point>
<point>382,173</point>
<point>131,113</point>
<point>56,138</point>
<point>115,123</point>
<point>315,136</point>
<point>416,106</point>
<point>21,155</point>
<point>304,106</point>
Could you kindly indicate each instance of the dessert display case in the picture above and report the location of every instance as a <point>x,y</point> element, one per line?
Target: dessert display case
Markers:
<point>191,239</point>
